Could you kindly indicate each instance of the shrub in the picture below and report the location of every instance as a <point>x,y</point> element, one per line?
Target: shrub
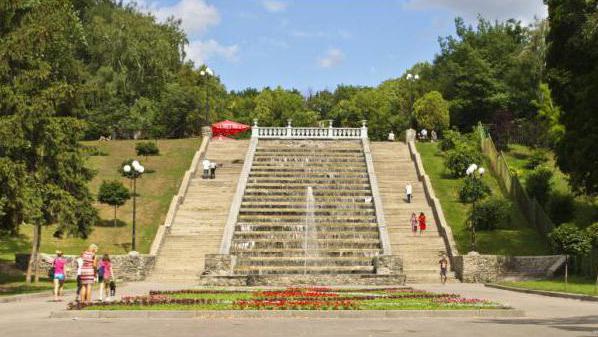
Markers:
<point>450,139</point>
<point>458,159</point>
<point>113,193</point>
<point>539,184</point>
<point>473,189</point>
<point>568,239</point>
<point>592,231</point>
<point>432,111</point>
<point>147,149</point>
<point>538,157</point>
<point>491,213</point>
<point>561,207</point>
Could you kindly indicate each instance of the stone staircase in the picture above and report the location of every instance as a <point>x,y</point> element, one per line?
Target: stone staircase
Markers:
<point>307,210</point>
<point>199,222</point>
<point>394,168</point>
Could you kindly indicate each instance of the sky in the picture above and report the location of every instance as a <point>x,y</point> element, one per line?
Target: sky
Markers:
<point>319,44</point>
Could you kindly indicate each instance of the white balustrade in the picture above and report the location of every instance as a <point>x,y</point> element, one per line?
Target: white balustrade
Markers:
<point>309,132</point>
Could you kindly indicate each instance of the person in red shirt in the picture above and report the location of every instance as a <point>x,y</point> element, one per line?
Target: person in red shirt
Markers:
<point>59,274</point>
<point>422,223</point>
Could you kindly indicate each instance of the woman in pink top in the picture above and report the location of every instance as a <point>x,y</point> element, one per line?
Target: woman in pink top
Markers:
<point>105,275</point>
<point>59,274</point>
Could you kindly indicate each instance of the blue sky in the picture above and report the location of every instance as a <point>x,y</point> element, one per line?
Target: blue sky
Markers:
<point>318,44</point>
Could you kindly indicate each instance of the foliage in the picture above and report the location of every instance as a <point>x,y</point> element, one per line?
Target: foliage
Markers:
<point>593,233</point>
<point>458,159</point>
<point>572,69</point>
<point>473,189</point>
<point>537,158</point>
<point>432,112</point>
<point>570,240</point>
<point>147,149</point>
<point>561,207</point>
<point>450,139</point>
<point>491,214</point>
<point>113,193</point>
<point>549,115</point>
<point>92,151</point>
<point>538,184</point>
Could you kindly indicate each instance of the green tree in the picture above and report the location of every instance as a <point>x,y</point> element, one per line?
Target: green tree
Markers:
<point>42,160</point>
<point>432,112</point>
<point>569,240</point>
<point>572,73</point>
<point>113,193</point>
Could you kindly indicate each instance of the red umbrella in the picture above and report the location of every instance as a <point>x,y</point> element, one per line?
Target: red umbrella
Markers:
<point>227,128</point>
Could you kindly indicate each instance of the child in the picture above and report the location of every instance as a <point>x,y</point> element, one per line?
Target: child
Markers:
<point>112,288</point>
<point>105,274</point>
<point>59,275</point>
<point>413,223</point>
<point>422,223</point>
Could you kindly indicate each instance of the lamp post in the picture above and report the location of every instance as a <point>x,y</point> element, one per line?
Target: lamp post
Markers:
<point>134,171</point>
<point>207,73</point>
<point>471,172</point>
<point>411,79</point>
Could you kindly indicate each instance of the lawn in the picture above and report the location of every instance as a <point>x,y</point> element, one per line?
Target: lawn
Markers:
<point>576,285</point>
<point>155,191</point>
<point>586,208</point>
<point>519,239</point>
<point>319,298</point>
<point>13,285</point>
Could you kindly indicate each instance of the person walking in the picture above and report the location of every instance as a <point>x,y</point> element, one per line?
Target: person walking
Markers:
<point>206,168</point>
<point>88,270</point>
<point>443,268</point>
<point>105,276</point>
<point>408,192</point>
<point>413,223</point>
<point>58,265</point>
<point>212,170</point>
<point>422,223</point>
<point>79,262</point>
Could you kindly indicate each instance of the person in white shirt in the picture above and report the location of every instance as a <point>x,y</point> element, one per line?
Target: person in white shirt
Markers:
<point>206,169</point>
<point>79,262</point>
<point>424,134</point>
<point>391,137</point>
<point>408,192</point>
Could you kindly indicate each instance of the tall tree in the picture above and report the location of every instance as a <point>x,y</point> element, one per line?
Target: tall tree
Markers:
<point>572,70</point>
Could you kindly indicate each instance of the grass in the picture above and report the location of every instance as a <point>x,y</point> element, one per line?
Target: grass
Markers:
<point>586,208</point>
<point>519,239</point>
<point>155,191</point>
<point>576,285</point>
<point>20,287</point>
<point>297,299</point>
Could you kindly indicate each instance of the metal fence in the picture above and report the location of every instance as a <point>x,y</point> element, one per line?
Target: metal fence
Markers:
<point>530,207</point>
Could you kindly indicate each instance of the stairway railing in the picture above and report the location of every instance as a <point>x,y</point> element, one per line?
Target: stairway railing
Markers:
<point>290,132</point>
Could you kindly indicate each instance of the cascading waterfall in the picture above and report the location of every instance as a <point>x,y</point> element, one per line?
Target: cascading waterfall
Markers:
<point>310,231</point>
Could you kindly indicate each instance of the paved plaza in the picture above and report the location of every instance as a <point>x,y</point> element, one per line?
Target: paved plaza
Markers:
<point>545,316</point>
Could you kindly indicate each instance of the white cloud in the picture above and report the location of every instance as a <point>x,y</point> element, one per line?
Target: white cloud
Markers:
<point>332,58</point>
<point>274,6</point>
<point>201,51</point>
<point>524,10</point>
<point>197,15</point>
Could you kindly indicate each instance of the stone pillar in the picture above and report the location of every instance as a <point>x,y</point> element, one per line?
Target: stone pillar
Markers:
<point>289,127</point>
<point>410,135</point>
<point>254,129</point>
<point>206,131</point>
<point>364,129</point>
<point>219,264</point>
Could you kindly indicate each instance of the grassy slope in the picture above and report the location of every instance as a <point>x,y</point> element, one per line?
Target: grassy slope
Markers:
<point>520,239</point>
<point>575,285</point>
<point>586,208</point>
<point>155,190</point>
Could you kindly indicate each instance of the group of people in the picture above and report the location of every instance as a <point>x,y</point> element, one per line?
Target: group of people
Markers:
<point>90,270</point>
<point>209,169</point>
<point>423,135</point>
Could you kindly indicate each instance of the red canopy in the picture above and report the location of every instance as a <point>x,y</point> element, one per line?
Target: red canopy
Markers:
<point>227,128</point>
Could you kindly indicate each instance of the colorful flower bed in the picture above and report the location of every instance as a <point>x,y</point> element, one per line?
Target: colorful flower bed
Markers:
<point>311,298</point>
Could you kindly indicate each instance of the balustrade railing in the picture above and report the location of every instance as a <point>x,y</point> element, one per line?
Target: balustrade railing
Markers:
<point>309,132</point>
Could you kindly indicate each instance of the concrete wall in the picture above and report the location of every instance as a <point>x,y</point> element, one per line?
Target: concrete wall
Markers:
<point>474,268</point>
<point>131,267</point>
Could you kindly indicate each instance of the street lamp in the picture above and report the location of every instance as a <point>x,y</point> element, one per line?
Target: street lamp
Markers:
<point>411,78</point>
<point>207,73</point>
<point>134,171</point>
<point>471,172</point>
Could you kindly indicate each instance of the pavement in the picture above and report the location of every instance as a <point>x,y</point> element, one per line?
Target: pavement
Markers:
<point>544,316</point>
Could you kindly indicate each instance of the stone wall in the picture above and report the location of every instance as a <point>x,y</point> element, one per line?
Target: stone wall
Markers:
<point>475,268</point>
<point>131,267</point>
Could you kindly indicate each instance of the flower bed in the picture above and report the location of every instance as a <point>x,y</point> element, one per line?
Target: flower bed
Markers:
<point>293,299</point>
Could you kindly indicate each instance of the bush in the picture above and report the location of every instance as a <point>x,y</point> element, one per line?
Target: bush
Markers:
<point>539,184</point>
<point>458,159</point>
<point>432,111</point>
<point>450,139</point>
<point>538,157</point>
<point>147,149</point>
<point>561,207</point>
<point>592,231</point>
<point>473,189</point>
<point>568,239</point>
<point>491,214</point>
